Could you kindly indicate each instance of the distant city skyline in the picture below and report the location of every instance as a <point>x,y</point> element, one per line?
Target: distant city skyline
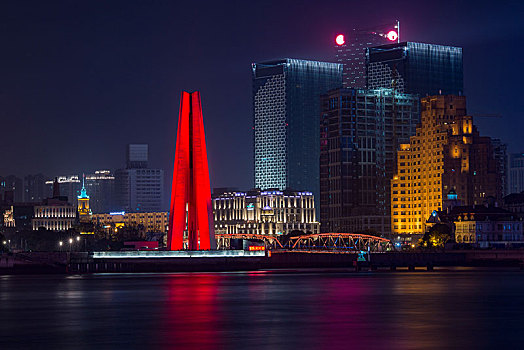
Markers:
<point>115,75</point>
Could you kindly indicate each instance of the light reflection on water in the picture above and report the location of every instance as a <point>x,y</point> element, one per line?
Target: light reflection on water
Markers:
<point>303,309</point>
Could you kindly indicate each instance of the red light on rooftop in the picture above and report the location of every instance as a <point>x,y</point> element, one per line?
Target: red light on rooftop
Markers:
<point>392,35</point>
<point>340,40</point>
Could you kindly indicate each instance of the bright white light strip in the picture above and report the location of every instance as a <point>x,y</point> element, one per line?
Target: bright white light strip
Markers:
<point>178,254</point>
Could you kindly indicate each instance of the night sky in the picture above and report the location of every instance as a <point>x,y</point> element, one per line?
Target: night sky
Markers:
<point>81,79</point>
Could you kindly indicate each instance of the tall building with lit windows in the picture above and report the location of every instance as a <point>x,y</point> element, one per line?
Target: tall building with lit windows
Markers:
<point>100,187</point>
<point>516,173</point>
<point>139,188</point>
<point>286,116</point>
<point>415,68</point>
<point>359,133</point>
<point>350,50</point>
<point>447,155</point>
<point>270,212</point>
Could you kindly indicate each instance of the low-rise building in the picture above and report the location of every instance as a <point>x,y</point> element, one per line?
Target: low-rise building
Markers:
<point>54,214</point>
<point>484,226</point>
<point>148,222</point>
<point>264,212</point>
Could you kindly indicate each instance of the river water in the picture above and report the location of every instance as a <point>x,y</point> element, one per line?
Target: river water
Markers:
<point>303,309</point>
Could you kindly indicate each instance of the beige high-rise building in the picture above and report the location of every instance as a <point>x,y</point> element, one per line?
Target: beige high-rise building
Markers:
<point>446,154</point>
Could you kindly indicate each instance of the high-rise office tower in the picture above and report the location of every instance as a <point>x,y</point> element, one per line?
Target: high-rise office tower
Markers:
<point>12,187</point>
<point>286,111</point>
<point>137,156</point>
<point>100,187</point>
<point>500,150</point>
<point>416,68</point>
<point>447,156</point>
<point>34,188</point>
<point>350,50</point>
<point>138,188</point>
<point>516,173</point>
<point>360,132</point>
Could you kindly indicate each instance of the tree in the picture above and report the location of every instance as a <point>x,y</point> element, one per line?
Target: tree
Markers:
<point>436,237</point>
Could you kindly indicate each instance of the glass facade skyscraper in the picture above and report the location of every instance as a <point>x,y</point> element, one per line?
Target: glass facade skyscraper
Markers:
<point>286,117</point>
<point>351,52</point>
<point>360,133</point>
<point>416,68</point>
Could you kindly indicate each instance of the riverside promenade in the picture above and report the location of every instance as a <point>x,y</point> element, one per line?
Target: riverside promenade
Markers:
<point>97,262</point>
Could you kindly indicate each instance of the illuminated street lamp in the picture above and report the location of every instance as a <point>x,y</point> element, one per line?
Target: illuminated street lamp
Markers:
<point>60,244</point>
<point>78,240</point>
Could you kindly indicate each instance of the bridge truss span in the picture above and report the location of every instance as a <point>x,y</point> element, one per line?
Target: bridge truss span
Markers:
<point>322,242</point>
<point>350,242</point>
<point>270,241</point>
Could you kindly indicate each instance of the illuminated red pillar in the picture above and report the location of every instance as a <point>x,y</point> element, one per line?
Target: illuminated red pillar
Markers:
<point>191,207</point>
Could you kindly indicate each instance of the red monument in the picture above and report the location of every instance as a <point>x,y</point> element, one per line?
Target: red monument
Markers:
<point>191,208</point>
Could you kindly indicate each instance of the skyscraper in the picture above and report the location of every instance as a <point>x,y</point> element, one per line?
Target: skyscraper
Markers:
<point>350,50</point>
<point>416,68</point>
<point>34,188</point>
<point>137,156</point>
<point>138,188</point>
<point>12,187</point>
<point>500,150</point>
<point>516,173</point>
<point>100,187</point>
<point>447,156</point>
<point>360,132</point>
<point>286,113</point>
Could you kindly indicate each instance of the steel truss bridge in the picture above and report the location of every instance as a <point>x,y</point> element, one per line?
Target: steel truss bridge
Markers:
<point>321,242</point>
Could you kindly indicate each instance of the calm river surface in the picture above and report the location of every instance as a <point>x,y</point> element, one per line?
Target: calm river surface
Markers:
<point>312,309</point>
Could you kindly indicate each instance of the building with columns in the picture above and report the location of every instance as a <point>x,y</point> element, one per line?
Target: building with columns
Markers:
<point>264,212</point>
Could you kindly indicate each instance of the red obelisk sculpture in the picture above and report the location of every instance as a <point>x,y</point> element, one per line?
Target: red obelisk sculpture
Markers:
<point>191,208</point>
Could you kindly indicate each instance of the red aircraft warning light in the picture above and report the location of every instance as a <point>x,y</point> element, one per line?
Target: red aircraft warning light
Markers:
<point>392,35</point>
<point>191,190</point>
<point>340,40</point>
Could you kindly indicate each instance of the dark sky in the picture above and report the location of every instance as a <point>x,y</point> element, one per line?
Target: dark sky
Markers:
<point>81,79</point>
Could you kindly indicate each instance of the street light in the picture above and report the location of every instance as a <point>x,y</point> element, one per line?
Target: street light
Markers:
<point>60,244</point>
<point>78,240</point>
<point>70,244</point>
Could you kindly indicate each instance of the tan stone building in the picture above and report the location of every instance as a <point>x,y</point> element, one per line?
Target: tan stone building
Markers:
<point>446,153</point>
<point>266,212</point>
<point>151,222</point>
